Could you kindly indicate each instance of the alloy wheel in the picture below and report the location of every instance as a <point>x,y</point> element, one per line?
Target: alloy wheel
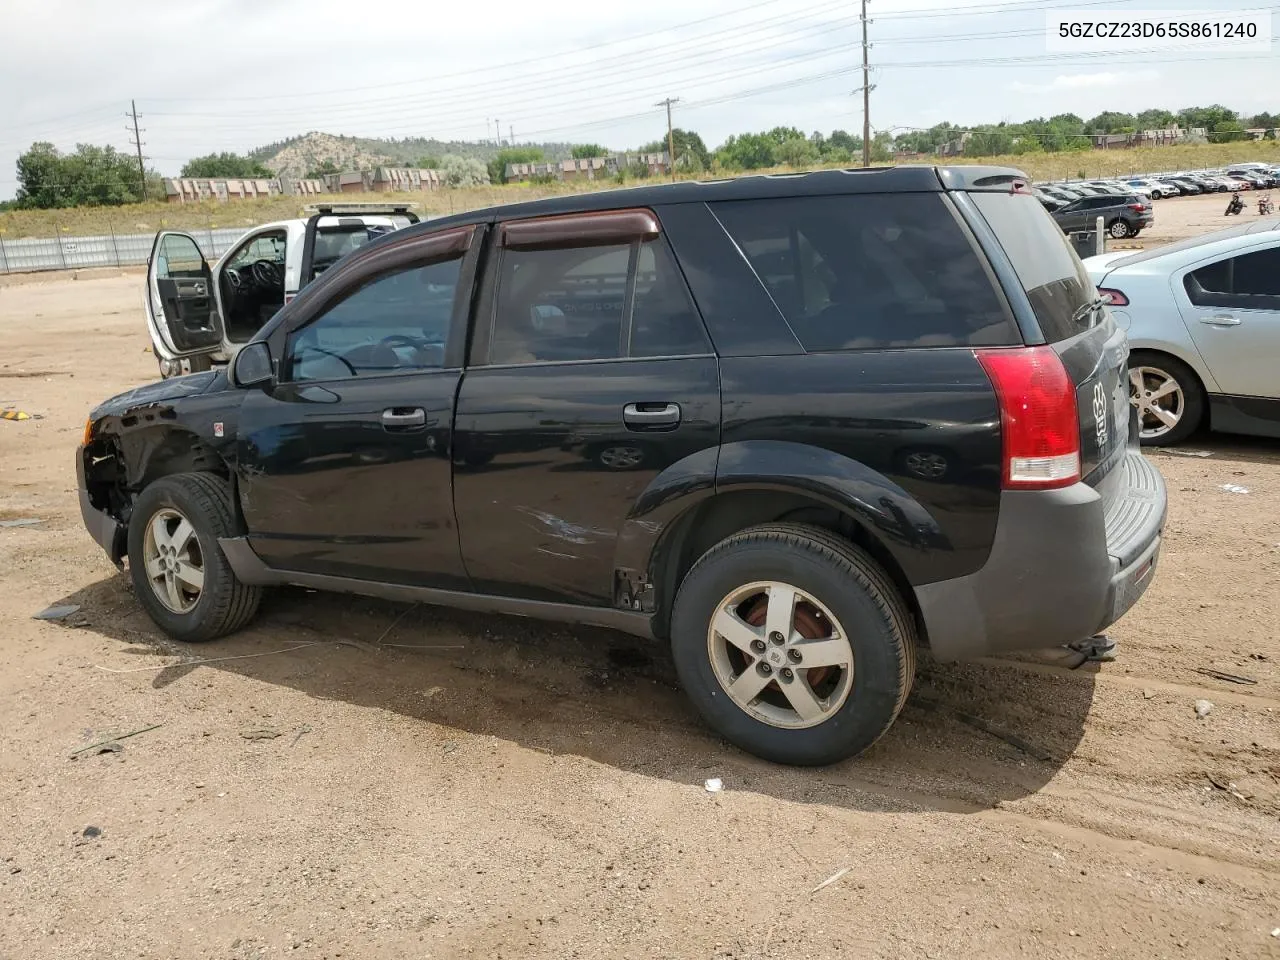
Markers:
<point>780,655</point>
<point>173,559</point>
<point>1159,400</point>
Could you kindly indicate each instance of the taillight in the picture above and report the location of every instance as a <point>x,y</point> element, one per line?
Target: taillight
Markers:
<point>1040,425</point>
<point>1114,298</point>
<point>1138,206</point>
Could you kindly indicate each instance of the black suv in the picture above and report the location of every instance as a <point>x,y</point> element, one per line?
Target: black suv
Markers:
<point>1122,216</point>
<point>794,424</point>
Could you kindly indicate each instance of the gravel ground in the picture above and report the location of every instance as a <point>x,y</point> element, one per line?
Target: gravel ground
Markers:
<point>360,779</point>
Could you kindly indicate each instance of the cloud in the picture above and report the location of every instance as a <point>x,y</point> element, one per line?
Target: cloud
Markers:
<point>1089,81</point>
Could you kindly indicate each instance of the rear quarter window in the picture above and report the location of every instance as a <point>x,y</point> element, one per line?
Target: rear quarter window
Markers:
<point>871,271</point>
<point>1048,269</point>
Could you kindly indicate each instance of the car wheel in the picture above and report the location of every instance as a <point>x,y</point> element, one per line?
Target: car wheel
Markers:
<point>1156,194</point>
<point>1168,397</point>
<point>1119,229</point>
<point>179,573</point>
<point>793,644</point>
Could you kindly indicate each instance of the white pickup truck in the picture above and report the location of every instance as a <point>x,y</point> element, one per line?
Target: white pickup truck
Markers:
<point>199,315</point>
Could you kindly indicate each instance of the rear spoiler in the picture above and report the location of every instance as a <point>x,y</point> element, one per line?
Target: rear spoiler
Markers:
<point>321,210</point>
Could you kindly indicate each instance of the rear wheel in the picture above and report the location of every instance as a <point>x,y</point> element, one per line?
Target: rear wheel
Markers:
<point>1119,229</point>
<point>179,573</point>
<point>1168,397</point>
<point>793,644</point>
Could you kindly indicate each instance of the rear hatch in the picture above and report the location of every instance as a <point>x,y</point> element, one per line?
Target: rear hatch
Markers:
<point>1074,323</point>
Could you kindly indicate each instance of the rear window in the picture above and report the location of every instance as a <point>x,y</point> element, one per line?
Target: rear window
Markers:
<point>1048,269</point>
<point>867,272</point>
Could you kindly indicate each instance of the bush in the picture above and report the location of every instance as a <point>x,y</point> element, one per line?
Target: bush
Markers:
<point>463,171</point>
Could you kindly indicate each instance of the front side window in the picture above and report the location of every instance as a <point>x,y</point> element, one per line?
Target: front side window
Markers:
<point>580,304</point>
<point>179,258</point>
<point>397,322</point>
<point>871,271</point>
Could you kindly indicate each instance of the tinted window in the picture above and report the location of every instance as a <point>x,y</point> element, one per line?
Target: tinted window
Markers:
<point>571,303</point>
<point>1249,281</point>
<point>664,322</point>
<point>394,323</point>
<point>857,272</point>
<point>1053,276</point>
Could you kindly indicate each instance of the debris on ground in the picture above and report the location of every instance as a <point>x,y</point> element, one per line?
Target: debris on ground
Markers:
<point>1203,707</point>
<point>91,833</point>
<point>1179,452</point>
<point>22,522</point>
<point>1234,488</point>
<point>133,733</point>
<point>11,414</point>
<point>1229,677</point>
<point>831,879</point>
<point>260,733</point>
<point>1227,786</point>
<point>1039,753</point>
<point>714,785</point>
<point>56,612</point>
<point>301,730</point>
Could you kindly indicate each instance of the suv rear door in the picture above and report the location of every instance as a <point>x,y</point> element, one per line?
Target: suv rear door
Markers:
<point>590,374</point>
<point>181,309</point>
<point>354,222</point>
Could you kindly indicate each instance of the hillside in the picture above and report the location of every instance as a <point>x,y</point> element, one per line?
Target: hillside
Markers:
<point>294,156</point>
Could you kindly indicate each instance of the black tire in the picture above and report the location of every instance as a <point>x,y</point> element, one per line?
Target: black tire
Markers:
<point>1194,402</point>
<point>224,604</point>
<point>1120,230</point>
<point>857,592</point>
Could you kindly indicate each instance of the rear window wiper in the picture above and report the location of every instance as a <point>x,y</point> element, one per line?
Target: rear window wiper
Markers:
<point>1088,309</point>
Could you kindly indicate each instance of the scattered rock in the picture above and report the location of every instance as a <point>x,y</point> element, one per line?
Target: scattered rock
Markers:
<point>1147,693</point>
<point>1233,488</point>
<point>262,733</point>
<point>1203,708</point>
<point>714,785</point>
<point>22,522</point>
<point>57,612</point>
<point>91,833</point>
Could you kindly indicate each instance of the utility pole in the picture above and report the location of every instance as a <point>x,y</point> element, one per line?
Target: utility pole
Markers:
<point>511,134</point>
<point>137,142</point>
<point>497,128</point>
<point>866,91</point>
<point>671,141</point>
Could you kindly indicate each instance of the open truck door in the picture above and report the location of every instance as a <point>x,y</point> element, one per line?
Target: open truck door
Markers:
<point>335,229</point>
<point>181,308</point>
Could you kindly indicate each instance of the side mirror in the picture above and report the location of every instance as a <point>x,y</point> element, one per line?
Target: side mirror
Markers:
<point>252,365</point>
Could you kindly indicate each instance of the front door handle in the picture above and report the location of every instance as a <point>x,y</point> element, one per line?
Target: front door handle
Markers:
<point>651,414</point>
<point>403,418</point>
<point>1221,321</point>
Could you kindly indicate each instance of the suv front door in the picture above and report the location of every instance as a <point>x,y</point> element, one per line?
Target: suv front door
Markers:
<point>343,462</point>
<point>591,374</point>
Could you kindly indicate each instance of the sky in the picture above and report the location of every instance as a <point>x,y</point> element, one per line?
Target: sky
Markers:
<point>212,75</point>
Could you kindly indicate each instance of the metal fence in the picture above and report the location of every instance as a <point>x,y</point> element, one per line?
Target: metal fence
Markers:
<point>110,250</point>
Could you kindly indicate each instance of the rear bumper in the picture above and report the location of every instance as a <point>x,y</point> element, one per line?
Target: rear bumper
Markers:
<point>1064,565</point>
<point>106,530</point>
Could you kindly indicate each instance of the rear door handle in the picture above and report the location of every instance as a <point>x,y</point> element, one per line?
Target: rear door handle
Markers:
<point>651,414</point>
<point>1221,321</point>
<point>402,418</point>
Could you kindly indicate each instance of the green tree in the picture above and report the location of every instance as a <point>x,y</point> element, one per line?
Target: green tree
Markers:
<point>463,171</point>
<point>218,165</point>
<point>1111,121</point>
<point>429,162</point>
<point>882,147</point>
<point>1267,121</point>
<point>748,151</point>
<point>840,140</point>
<point>323,168</point>
<point>90,176</point>
<point>691,152</point>
<point>1227,131</point>
<point>1209,117</point>
<point>1155,119</point>
<point>989,141</point>
<point>498,164</point>
<point>797,152</point>
<point>587,151</point>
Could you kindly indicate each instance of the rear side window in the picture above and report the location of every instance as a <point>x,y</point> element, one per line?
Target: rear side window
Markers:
<point>1249,281</point>
<point>868,272</point>
<point>1048,269</point>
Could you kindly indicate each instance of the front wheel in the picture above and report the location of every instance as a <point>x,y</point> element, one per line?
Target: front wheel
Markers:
<point>179,573</point>
<point>1168,397</point>
<point>793,644</point>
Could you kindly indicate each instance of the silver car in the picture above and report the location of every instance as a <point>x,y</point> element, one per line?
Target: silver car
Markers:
<point>1203,321</point>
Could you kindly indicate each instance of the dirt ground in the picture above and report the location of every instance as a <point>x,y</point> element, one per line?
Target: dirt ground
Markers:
<point>1180,217</point>
<point>366,780</point>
